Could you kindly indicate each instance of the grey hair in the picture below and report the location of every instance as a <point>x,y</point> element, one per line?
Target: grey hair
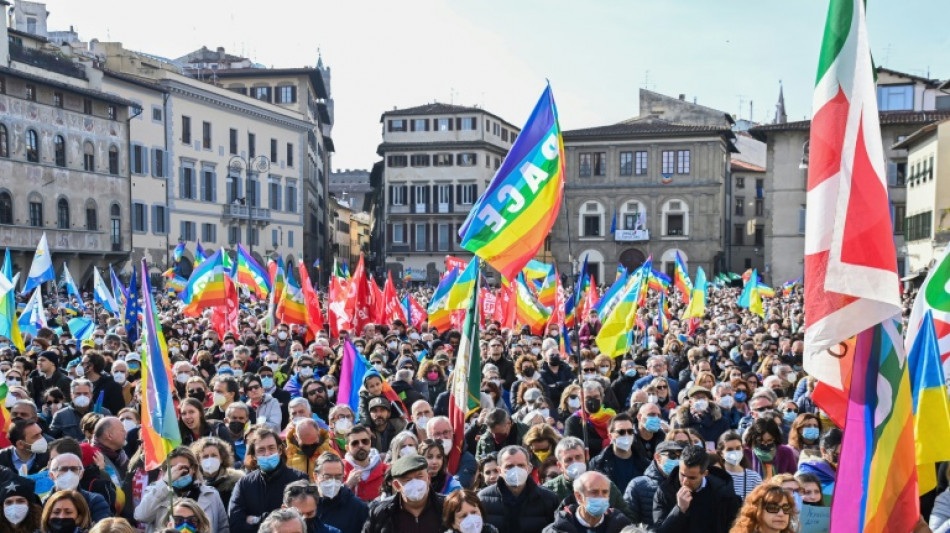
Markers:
<point>272,523</point>
<point>305,422</point>
<point>567,444</point>
<point>404,374</point>
<point>237,405</point>
<point>578,484</point>
<point>512,449</point>
<point>399,441</point>
<point>340,407</point>
<point>435,419</point>
<point>593,385</point>
<point>79,382</point>
<point>298,401</point>
<point>26,402</point>
<point>720,387</point>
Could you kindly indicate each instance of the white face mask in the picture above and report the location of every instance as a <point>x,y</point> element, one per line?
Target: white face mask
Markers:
<point>183,377</point>
<point>81,401</point>
<point>407,450</point>
<point>727,402</point>
<point>330,488</point>
<point>574,403</point>
<point>282,335</point>
<point>80,371</point>
<point>733,457</point>
<point>129,424</point>
<point>624,442</point>
<point>701,405</point>
<point>471,524</point>
<point>67,481</point>
<point>210,465</point>
<point>343,425</point>
<point>516,476</point>
<point>653,398</point>
<point>415,490</point>
<point>119,377</point>
<point>40,446</point>
<point>422,421</point>
<point>447,446</point>
<point>16,512</point>
<point>574,470</point>
<point>209,344</point>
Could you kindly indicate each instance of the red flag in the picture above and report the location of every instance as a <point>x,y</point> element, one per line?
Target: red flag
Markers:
<point>392,309</point>
<point>417,313</point>
<point>488,301</point>
<point>337,313</point>
<point>557,316</point>
<point>590,302</point>
<point>226,318</point>
<point>360,300</point>
<point>314,314</point>
<point>454,262</point>
<point>378,302</point>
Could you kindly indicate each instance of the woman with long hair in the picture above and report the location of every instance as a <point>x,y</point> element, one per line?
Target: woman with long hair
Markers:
<point>729,448</point>
<point>805,432</point>
<point>765,452</point>
<point>182,475</point>
<point>439,477</point>
<point>768,509</point>
<point>65,512</point>
<point>488,471</point>
<point>217,461</point>
<point>194,425</point>
<point>21,508</point>
<point>187,515</point>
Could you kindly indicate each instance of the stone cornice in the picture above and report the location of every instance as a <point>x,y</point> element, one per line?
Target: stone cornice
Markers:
<point>230,104</point>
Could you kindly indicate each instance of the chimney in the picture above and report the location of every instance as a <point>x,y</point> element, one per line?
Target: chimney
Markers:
<point>682,97</point>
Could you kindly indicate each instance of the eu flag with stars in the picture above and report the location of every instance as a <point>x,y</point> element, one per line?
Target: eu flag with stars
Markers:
<point>132,310</point>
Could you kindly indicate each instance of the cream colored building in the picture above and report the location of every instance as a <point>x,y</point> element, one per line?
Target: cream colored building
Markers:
<point>438,159</point>
<point>340,247</point>
<point>927,226</point>
<point>360,228</point>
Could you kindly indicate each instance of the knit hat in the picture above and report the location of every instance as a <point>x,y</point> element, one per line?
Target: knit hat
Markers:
<point>50,356</point>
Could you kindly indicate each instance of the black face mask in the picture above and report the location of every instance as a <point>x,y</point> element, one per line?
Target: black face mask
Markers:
<point>592,405</point>
<point>236,428</point>
<point>62,525</point>
<point>528,372</point>
<point>198,395</point>
<point>309,449</point>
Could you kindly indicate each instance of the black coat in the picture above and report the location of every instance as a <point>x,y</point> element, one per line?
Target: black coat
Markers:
<point>555,381</point>
<point>346,512</point>
<point>639,493</point>
<point>383,511</point>
<point>606,463</point>
<point>39,384</point>
<point>112,397</point>
<point>39,462</point>
<point>621,388</point>
<point>712,509</point>
<point>565,521</point>
<point>529,512</point>
<point>574,427</point>
<point>258,493</point>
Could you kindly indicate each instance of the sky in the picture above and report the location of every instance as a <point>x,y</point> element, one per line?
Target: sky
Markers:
<point>498,54</point>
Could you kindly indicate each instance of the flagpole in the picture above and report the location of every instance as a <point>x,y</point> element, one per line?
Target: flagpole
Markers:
<point>570,253</point>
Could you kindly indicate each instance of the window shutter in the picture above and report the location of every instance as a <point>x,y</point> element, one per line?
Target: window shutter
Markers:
<point>458,123</point>
<point>450,124</point>
<point>427,123</point>
<point>412,198</point>
<point>181,182</point>
<point>391,195</point>
<point>214,188</point>
<point>293,93</point>
<point>181,229</point>
<point>451,200</point>
<point>155,219</point>
<point>432,194</point>
<point>389,233</point>
<point>143,154</point>
<point>458,193</point>
<point>411,231</point>
<point>229,191</point>
<point>412,125</point>
<point>389,125</point>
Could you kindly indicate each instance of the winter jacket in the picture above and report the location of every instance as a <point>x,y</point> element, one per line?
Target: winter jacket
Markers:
<point>435,389</point>
<point>574,427</point>
<point>345,512</point>
<point>66,423</point>
<point>258,493</point>
<point>621,388</point>
<point>383,512</point>
<point>588,331</point>
<point>563,488</point>
<point>268,412</point>
<point>555,381</point>
<point>153,509</point>
<point>213,428</point>
<point>298,459</point>
<point>407,393</point>
<point>293,385</point>
<point>224,482</point>
<point>639,494</point>
<point>40,460</point>
<point>487,444</point>
<point>646,380</point>
<point>467,469</point>
<point>506,370</point>
<point>39,383</point>
<point>112,399</point>
<point>710,424</point>
<point>712,509</point>
<point>529,512</point>
<point>565,521</point>
<point>369,488</point>
<point>606,464</point>
<point>785,461</point>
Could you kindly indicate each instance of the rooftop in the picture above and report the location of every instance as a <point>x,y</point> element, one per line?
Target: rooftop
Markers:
<point>912,139</point>
<point>645,127</point>
<point>743,166</point>
<point>888,118</point>
<point>316,78</point>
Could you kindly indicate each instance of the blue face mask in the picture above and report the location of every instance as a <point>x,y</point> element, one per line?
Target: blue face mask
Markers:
<point>631,373</point>
<point>741,396</point>
<point>810,433</point>
<point>669,465</point>
<point>267,382</point>
<point>182,482</point>
<point>597,506</point>
<point>268,463</point>
<point>652,424</point>
<point>789,416</point>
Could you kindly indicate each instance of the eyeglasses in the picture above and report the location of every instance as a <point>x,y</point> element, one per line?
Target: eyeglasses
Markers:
<point>64,469</point>
<point>196,391</point>
<point>774,508</point>
<point>662,387</point>
<point>182,520</point>
<point>297,490</point>
<point>253,387</point>
<point>623,432</point>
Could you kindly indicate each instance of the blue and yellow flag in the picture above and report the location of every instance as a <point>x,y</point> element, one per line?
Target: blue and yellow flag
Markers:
<point>931,408</point>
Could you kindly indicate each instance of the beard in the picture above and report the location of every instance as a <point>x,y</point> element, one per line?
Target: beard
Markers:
<point>361,454</point>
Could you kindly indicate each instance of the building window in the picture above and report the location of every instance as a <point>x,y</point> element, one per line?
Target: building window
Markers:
<point>675,218</point>
<point>186,130</point>
<point>291,205</point>
<point>418,160</point>
<point>674,224</point>
<point>467,159</point>
<point>668,161</point>
<point>92,216</point>
<point>496,129</point>
<point>497,162</point>
<point>36,213</point>
<point>32,147</point>
<point>116,221</point>
<point>275,196</point>
<point>273,150</point>
<point>895,97</point>
<point>682,161</point>
<point>290,238</point>
<point>206,135</point>
<point>232,141</point>
<point>157,114</point>
<point>4,141</point>
<point>626,163</point>
<point>261,93</point>
<point>469,194</point>
<point>234,235</point>
<point>760,235</point>
<point>253,191</point>
<point>397,124</point>
<point>138,218</point>
<point>396,161</point>
<point>740,182</point>
<point>138,159</point>
<point>399,234</point>
<point>88,157</point>
<point>600,163</point>
<point>111,112</point>
<point>641,163</point>
<point>187,188</point>
<point>286,94</point>
<point>900,213</point>
<point>398,195</point>
<point>420,124</point>
<point>62,213</point>
<point>443,124</point>
<point>208,186</point>
<point>592,225</point>
<point>442,160</point>
<point>188,230</point>
<point>59,150</point>
<point>290,155</point>
<point>759,207</point>
<point>467,123</point>
<point>919,226</point>
<point>209,232</point>
<point>584,165</point>
<point>738,237</point>
<point>87,106</point>
<point>251,145</point>
<point>802,220</point>
<point>58,99</point>
<point>159,223</point>
<point>31,92</point>
<point>443,243</point>
<point>421,193</point>
<point>6,208</point>
<point>420,237</point>
<point>114,161</point>
<point>740,206</point>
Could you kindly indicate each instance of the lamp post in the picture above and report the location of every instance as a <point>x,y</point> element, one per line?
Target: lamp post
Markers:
<point>259,165</point>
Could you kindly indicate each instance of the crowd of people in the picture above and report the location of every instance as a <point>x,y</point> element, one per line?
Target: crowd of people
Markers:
<point>706,427</point>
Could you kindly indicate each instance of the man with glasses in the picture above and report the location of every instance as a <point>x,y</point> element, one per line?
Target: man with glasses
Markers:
<point>657,368</point>
<point>66,470</point>
<point>641,489</point>
<point>261,491</point>
<point>303,496</point>
<point>363,468</point>
<point>758,405</point>
<point>303,370</point>
<point>571,458</point>
<point>618,461</point>
<point>315,392</point>
<point>338,506</point>
<point>695,496</point>
<point>440,428</point>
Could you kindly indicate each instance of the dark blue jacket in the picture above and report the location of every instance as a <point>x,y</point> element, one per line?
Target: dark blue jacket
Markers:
<point>639,494</point>
<point>258,493</point>
<point>345,512</point>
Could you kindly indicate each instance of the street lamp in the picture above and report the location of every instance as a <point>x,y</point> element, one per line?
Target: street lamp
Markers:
<point>259,165</point>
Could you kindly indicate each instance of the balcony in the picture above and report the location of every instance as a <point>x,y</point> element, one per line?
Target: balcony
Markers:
<point>80,241</point>
<point>240,212</point>
<point>45,60</point>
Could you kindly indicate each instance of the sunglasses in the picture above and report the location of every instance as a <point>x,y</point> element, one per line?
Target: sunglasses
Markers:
<point>360,442</point>
<point>196,391</point>
<point>297,490</point>
<point>314,392</point>
<point>623,432</point>
<point>182,520</point>
<point>774,508</point>
<point>662,387</point>
<point>253,387</point>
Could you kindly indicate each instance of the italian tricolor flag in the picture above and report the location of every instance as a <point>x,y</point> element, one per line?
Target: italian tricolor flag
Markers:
<point>465,385</point>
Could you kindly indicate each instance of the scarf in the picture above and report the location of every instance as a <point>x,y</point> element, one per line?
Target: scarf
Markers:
<point>599,420</point>
<point>365,471</point>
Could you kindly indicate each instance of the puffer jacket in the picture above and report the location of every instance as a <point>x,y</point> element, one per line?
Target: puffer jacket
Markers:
<point>258,493</point>
<point>564,489</point>
<point>298,459</point>
<point>940,515</point>
<point>565,521</point>
<point>153,509</point>
<point>529,512</point>
<point>639,494</point>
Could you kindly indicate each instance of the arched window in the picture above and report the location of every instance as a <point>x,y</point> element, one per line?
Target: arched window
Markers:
<point>668,259</point>
<point>633,216</point>
<point>92,216</point>
<point>59,147</point>
<point>32,147</point>
<point>590,219</point>
<point>4,141</point>
<point>88,157</point>
<point>6,208</point>
<point>36,210</point>
<point>62,214</point>
<point>675,219</point>
<point>115,214</point>
<point>114,160</point>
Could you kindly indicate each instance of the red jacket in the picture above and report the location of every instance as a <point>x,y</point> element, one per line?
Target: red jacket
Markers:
<point>370,488</point>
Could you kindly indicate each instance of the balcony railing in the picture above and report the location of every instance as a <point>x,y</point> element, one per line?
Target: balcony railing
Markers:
<point>241,212</point>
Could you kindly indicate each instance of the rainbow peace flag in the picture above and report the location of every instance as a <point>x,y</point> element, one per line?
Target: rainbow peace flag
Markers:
<point>200,253</point>
<point>178,252</point>
<point>537,270</point>
<point>159,430</point>
<point>645,269</point>
<point>352,372</point>
<point>251,274</point>
<point>548,292</point>
<point>789,286</point>
<point>509,222</point>
<point>765,291</point>
<point>528,311</point>
<point>659,281</point>
<point>931,407</point>
<point>293,305</point>
<point>440,298</point>
<point>681,278</point>
<point>663,315</point>
<point>205,287</point>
